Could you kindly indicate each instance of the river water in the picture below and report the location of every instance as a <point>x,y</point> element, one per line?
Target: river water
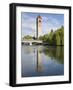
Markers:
<point>38,60</point>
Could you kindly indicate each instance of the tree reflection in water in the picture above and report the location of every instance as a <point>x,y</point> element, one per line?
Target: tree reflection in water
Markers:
<point>39,60</point>
<point>55,52</point>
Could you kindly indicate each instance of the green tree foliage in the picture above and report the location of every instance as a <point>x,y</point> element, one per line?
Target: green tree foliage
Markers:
<point>54,38</point>
<point>54,41</point>
<point>41,38</point>
<point>27,37</point>
<point>45,37</point>
<point>61,35</point>
<point>50,38</point>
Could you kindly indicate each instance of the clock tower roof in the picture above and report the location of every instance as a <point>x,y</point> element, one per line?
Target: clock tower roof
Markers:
<point>39,17</point>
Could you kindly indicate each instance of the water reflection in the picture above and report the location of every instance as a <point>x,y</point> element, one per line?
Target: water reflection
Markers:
<point>42,61</point>
<point>39,60</point>
<point>56,52</point>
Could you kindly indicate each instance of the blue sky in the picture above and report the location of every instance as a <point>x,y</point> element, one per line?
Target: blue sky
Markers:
<point>49,21</point>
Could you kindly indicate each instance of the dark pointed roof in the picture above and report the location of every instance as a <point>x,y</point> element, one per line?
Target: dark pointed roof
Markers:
<point>39,17</point>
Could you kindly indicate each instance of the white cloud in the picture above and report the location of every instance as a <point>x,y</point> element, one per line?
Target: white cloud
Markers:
<point>48,22</point>
<point>28,22</point>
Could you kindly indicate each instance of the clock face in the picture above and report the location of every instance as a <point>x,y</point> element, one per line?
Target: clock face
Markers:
<point>39,20</point>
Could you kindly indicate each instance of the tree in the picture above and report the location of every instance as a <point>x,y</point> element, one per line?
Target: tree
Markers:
<point>61,34</point>
<point>50,38</point>
<point>54,39</point>
<point>41,38</point>
<point>57,39</point>
<point>27,37</point>
<point>45,37</point>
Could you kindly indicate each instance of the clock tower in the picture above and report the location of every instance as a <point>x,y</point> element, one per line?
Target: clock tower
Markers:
<point>39,26</point>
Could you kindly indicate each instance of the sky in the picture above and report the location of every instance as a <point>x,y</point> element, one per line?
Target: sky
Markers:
<point>49,21</point>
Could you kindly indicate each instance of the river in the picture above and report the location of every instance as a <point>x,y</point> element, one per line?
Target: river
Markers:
<point>38,60</point>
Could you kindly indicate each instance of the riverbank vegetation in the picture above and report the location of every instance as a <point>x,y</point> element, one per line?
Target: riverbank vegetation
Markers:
<point>27,37</point>
<point>53,38</point>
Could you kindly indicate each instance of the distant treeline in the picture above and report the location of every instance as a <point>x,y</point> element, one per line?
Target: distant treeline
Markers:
<point>27,37</point>
<point>54,38</point>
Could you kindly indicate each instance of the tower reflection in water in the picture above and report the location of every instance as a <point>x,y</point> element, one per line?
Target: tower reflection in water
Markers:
<point>42,61</point>
<point>39,66</point>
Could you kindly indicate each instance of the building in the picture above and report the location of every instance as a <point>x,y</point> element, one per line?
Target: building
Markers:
<point>39,26</point>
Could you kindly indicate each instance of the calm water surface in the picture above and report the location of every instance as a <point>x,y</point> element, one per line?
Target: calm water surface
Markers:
<point>42,61</point>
